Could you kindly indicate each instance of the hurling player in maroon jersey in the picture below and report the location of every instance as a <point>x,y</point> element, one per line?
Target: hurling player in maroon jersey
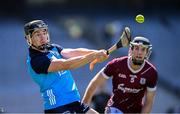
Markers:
<point>134,80</point>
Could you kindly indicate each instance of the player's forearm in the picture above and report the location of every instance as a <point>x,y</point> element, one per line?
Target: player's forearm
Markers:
<point>147,108</point>
<point>149,99</point>
<point>80,61</point>
<point>89,93</point>
<point>84,51</point>
<point>96,82</point>
<point>68,53</point>
<point>71,63</point>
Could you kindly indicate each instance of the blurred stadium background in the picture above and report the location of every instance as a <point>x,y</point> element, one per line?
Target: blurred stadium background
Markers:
<point>90,24</point>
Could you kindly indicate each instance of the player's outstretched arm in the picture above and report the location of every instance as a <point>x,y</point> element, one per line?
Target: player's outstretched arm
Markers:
<point>69,53</point>
<point>149,99</point>
<point>75,62</point>
<point>92,86</point>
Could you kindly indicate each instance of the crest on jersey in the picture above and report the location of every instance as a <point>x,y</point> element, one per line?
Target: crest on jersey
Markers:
<point>142,81</point>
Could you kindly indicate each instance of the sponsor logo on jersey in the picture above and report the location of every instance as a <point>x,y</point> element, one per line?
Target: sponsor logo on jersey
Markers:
<point>125,89</point>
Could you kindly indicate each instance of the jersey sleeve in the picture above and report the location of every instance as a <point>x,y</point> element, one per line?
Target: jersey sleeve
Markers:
<point>152,81</point>
<point>40,64</point>
<point>108,69</point>
<point>59,48</point>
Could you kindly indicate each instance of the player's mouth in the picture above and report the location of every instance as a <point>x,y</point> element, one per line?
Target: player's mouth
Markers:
<point>43,42</point>
<point>139,58</point>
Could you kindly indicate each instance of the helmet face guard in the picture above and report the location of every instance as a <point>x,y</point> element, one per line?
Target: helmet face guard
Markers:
<point>31,27</point>
<point>144,42</point>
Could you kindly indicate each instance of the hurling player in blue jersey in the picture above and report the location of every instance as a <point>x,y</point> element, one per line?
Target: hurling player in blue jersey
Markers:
<point>49,65</point>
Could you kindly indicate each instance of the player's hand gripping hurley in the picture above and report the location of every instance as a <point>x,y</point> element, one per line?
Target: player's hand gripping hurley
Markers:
<point>123,41</point>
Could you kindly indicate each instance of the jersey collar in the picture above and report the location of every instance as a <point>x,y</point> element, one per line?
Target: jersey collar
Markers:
<point>134,71</point>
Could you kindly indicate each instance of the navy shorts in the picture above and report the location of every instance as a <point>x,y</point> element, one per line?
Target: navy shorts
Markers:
<point>74,107</point>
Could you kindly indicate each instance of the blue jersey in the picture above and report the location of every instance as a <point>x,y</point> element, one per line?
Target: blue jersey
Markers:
<point>57,88</point>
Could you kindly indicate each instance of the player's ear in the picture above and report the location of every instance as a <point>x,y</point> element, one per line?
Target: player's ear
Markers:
<point>130,51</point>
<point>28,39</point>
